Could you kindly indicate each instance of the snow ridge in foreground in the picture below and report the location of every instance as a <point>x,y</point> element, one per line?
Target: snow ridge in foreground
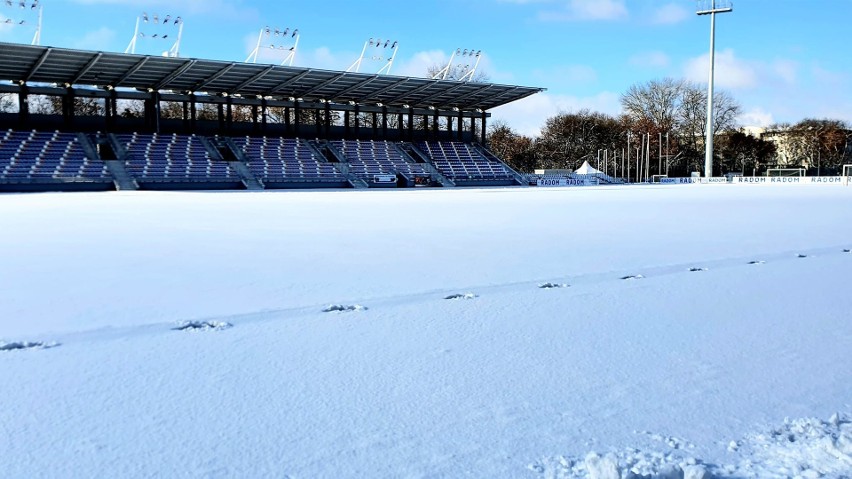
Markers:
<point>800,448</point>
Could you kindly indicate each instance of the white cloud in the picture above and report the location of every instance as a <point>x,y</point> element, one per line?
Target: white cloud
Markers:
<point>756,117</point>
<point>731,72</point>
<point>528,116</point>
<point>787,70</point>
<point>670,13</point>
<point>95,40</point>
<point>651,59</point>
<point>580,10</point>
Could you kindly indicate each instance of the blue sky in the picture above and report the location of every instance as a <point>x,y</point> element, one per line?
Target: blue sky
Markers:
<point>783,60</point>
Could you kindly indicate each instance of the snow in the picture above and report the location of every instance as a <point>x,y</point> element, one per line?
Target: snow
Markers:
<point>189,336</point>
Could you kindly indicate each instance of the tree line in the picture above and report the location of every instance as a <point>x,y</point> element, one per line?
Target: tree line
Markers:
<point>662,130</point>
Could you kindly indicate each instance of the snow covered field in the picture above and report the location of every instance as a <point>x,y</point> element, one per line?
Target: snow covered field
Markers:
<point>184,334</point>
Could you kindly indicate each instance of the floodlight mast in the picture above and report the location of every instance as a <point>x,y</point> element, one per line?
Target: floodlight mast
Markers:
<point>393,45</point>
<point>23,21</point>
<point>174,50</point>
<point>470,70</point>
<point>711,7</point>
<point>267,32</point>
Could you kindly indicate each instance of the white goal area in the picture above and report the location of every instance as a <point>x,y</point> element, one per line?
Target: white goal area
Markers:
<point>785,172</point>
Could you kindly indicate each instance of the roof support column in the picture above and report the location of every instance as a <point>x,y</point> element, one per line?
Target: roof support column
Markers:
<point>23,105</point>
<point>297,109</point>
<point>449,127</point>
<point>346,132</point>
<point>255,127</point>
<point>375,125</point>
<point>461,126</point>
<point>229,116</point>
<point>482,133</point>
<point>357,113</point>
<point>220,110</point>
<point>410,124</point>
<point>193,111</point>
<point>263,115</point>
<point>385,121</point>
<point>68,107</point>
<point>327,120</point>
<point>111,107</point>
<point>287,120</point>
<point>400,126</point>
<point>317,122</point>
<point>436,124</point>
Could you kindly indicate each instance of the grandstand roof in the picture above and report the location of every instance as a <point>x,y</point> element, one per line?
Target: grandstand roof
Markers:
<point>40,64</point>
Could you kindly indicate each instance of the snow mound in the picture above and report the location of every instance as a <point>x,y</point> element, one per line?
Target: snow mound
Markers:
<point>341,308</point>
<point>628,464</point>
<point>552,285</point>
<point>202,326</point>
<point>21,345</point>
<point>632,277</point>
<point>460,296</point>
<point>800,448</point>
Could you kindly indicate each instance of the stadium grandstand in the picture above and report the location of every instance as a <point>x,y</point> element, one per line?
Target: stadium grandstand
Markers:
<point>208,124</point>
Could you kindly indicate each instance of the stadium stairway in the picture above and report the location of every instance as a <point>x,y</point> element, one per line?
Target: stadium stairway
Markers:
<point>482,150</point>
<point>410,150</point>
<point>121,178</point>
<point>333,155</point>
<point>237,159</point>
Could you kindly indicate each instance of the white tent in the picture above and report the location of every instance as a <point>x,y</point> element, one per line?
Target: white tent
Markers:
<point>587,169</point>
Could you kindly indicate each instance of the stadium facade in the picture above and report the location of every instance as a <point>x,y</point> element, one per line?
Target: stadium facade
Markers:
<point>237,125</point>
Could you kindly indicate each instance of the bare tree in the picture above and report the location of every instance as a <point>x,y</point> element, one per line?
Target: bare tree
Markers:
<point>515,149</point>
<point>569,138</point>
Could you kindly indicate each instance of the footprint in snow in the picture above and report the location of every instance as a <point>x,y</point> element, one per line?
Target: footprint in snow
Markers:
<point>695,270</point>
<point>847,250</point>
<point>632,277</point>
<point>802,256</point>
<point>757,262</point>
<point>552,285</point>
<point>460,296</point>
<point>202,326</point>
<point>24,345</point>
<point>341,308</point>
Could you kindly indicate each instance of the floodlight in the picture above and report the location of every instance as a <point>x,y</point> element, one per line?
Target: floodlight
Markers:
<point>377,43</point>
<point>158,31</point>
<point>266,33</point>
<point>380,104</point>
<point>468,69</point>
<point>26,19</point>
<point>711,7</point>
<point>406,106</point>
<point>351,102</point>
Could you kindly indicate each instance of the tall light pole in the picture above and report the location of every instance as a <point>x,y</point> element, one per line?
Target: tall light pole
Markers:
<point>711,7</point>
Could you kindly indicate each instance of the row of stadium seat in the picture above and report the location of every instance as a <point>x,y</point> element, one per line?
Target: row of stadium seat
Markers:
<point>284,158</point>
<point>370,158</point>
<point>173,157</point>
<point>32,155</point>
<point>47,156</point>
<point>461,161</point>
